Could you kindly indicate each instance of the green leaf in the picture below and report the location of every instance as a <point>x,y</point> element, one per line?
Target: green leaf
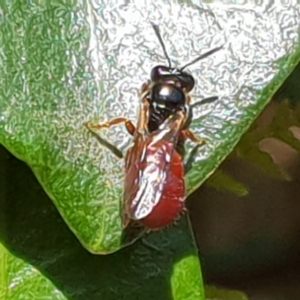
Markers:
<point>63,66</point>
<point>41,259</point>
<point>20,280</point>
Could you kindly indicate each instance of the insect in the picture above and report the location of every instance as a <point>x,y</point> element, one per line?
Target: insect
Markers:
<point>154,187</point>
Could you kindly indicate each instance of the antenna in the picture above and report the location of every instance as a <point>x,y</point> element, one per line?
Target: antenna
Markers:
<point>156,30</point>
<point>210,52</point>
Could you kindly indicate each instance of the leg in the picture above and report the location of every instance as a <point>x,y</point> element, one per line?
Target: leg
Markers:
<point>188,134</point>
<point>128,124</point>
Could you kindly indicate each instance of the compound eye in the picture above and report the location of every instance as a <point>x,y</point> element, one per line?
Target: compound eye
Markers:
<point>187,81</point>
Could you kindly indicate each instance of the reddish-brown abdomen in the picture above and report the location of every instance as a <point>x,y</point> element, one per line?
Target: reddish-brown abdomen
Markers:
<point>171,203</point>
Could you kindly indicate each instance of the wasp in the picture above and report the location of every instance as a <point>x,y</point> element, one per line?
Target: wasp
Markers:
<point>154,186</point>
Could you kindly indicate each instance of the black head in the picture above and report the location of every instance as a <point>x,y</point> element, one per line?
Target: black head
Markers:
<point>175,75</point>
<point>172,75</point>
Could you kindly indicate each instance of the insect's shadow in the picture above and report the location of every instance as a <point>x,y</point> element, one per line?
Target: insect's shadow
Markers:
<point>204,101</point>
<point>132,233</point>
<point>116,151</point>
<point>191,158</point>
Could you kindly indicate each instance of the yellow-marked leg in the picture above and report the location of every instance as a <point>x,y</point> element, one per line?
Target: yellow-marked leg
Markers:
<point>128,124</point>
<point>188,134</point>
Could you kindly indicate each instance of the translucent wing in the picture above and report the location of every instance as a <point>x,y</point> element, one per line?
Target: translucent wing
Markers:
<point>147,167</point>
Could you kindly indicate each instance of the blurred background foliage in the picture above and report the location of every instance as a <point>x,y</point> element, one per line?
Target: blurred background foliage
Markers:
<point>246,217</point>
